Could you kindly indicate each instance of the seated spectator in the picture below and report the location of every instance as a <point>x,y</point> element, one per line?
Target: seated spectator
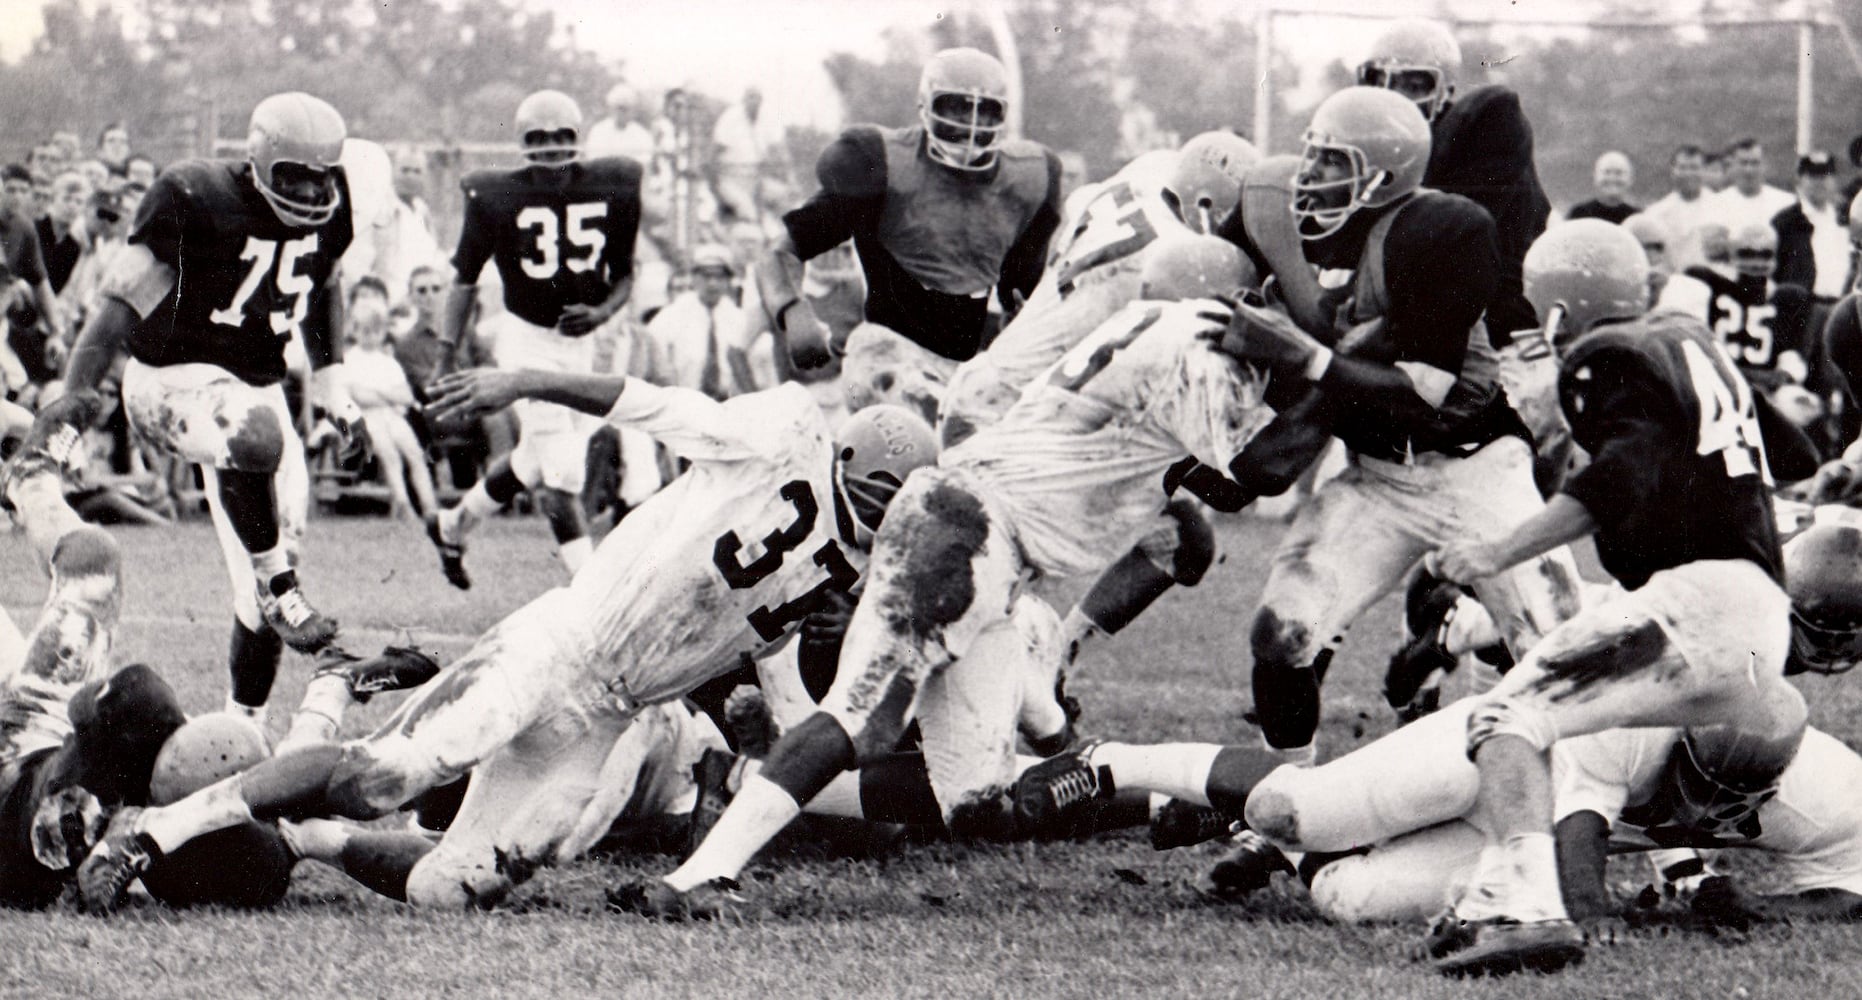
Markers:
<point>698,339</point>
<point>380,387</point>
<point>98,175</point>
<point>61,232</point>
<point>423,357</point>
<point>37,328</point>
<point>17,180</point>
<point>140,170</point>
<point>1611,178</point>
<point>104,487</point>
<point>106,228</point>
<point>46,160</point>
<point>1813,234</point>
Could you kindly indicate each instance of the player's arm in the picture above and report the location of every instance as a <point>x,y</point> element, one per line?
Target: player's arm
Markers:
<point>686,421</point>
<point>476,392</point>
<point>1022,266</point>
<point>476,243</point>
<point>852,174</point>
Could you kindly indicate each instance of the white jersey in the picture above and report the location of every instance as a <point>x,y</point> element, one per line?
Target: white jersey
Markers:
<point>1079,461</point>
<point>1813,824</point>
<point>731,555</point>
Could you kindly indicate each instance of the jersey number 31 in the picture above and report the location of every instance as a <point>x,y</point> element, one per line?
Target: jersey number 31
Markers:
<point>769,622</point>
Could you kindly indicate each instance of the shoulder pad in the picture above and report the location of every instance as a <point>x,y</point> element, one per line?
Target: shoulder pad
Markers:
<point>482,182</point>
<point>617,168</point>
<point>854,164</point>
<point>1488,99</point>
<point>1022,149</point>
<point>1443,211</point>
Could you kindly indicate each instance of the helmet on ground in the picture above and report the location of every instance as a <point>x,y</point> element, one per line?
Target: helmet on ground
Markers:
<point>963,100</point>
<point>1583,273</point>
<point>1182,267</point>
<point>1418,59</point>
<point>875,449</point>
<point>1823,574</point>
<point>1365,148</point>
<point>294,143</point>
<point>541,121</point>
<point>1206,183</point>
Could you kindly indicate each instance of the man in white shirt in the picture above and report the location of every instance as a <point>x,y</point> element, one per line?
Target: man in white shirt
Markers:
<point>621,133</point>
<point>1748,201</point>
<point>1683,210</point>
<point>698,339</point>
<point>746,147</point>
<point>411,243</point>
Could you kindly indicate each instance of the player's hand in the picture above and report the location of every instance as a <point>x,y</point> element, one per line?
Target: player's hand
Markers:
<point>1720,902</point>
<point>1267,339</point>
<point>473,392</point>
<point>56,351</point>
<point>577,321</point>
<point>65,827</point>
<point>1834,482</point>
<point>1464,562</point>
<point>329,388</point>
<point>807,336</point>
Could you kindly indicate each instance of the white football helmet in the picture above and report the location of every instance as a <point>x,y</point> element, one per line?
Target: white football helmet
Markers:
<point>963,100</point>
<point>875,449</point>
<point>540,121</point>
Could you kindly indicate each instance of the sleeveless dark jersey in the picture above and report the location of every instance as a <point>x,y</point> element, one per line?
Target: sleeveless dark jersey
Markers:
<point>245,282</point>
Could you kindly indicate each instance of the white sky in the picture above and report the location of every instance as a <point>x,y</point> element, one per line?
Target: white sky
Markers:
<point>720,46</point>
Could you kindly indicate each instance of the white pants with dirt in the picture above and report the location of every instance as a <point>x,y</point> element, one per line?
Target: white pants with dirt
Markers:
<point>552,440</point>
<point>205,415</point>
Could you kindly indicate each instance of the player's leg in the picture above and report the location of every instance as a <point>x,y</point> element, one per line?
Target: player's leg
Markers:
<point>942,570</point>
<point>1345,549</point>
<point>1405,880</point>
<point>1702,644</point>
<point>1177,553</point>
<point>70,642</point>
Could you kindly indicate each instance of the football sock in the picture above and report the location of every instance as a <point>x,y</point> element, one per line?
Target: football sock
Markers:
<point>271,564</point>
<point>1535,859</point>
<point>251,508</point>
<point>1305,756</point>
<point>215,807</point>
<point>252,662</point>
<point>575,553</point>
<point>1078,633</point>
<point>759,812</point>
<point>1179,770</point>
<point>1234,773</point>
<point>316,839</point>
<point>320,715</point>
<point>1125,590</point>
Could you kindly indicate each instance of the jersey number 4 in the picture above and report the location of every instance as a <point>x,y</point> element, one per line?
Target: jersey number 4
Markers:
<point>294,288</point>
<point>1112,226</point>
<point>769,622</point>
<point>576,224</point>
<point>1729,426</point>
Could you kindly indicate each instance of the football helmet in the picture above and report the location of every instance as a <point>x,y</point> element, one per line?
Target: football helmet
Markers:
<point>1206,183</point>
<point>1823,574</point>
<point>294,143</point>
<point>1418,59</point>
<point>1582,273</point>
<point>1177,268</point>
<point>1366,148</point>
<point>208,748</point>
<point>541,119</point>
<point>963,101</point>
<point>874,450</point>
<point>1755,250</point>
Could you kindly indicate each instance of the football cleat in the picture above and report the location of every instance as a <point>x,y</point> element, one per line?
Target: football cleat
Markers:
<point>397,668</point>
<point>452,555</point>
<point>1060,797</point>
<point>1413,680</point>
<point>118,859</point>
<point>54,442</point>
<point>1501,945</point>
<point>712,774</point>
<point>655,900</point>
<point>1185,824</point>
<point>1247,868</point>
<point>290,614</point>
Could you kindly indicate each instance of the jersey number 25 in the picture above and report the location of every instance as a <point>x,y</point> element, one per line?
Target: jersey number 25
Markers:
<point>577,224</point>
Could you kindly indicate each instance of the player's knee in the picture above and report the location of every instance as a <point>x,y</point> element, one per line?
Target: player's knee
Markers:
<point>1273,805</point>
<point>1196,545</point>
<point>1497,717</point>
<point>256,443</point>
<point>458,880</point>
<point>1278,643</point>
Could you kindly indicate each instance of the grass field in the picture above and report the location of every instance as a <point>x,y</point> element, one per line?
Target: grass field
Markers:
<point>1106,918</point>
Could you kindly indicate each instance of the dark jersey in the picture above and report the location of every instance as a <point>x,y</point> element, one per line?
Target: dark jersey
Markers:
<point>1678,469</point>
<point>560,236</point>
<point>1595,209</point>
<point>932,240</point>
<point>1758,322</point>
<point>1842,339</point>
<point>245,282</point>
<point>1481,148</point>
<point>1428,271</point>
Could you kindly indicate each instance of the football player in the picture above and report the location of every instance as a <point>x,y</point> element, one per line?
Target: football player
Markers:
<point>1057,487</point>
<point>1677,495</point>
<point>561,232</point>
<point>940,213</point>
<point>772,518</point>
<point>227,261</point>
<point>1764,325</point>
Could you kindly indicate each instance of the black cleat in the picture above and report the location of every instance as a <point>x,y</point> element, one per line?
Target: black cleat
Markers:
<point>712,774</point>
<point>1501,945</point>
<point>655,900</point>
<point>397,668</point>
<point>1184,824</point>
<point>1413,680</point>
<point>54,443</point>
<point>118,859</point>
<point>1060,797</point>
<point>452,555</point>
<point>1247,868</point>
<point>301,626</point>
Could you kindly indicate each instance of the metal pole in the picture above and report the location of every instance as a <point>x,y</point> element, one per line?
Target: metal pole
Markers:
<point>1003,34</point>
<point>1263,79</point>
<point>1806,38</point>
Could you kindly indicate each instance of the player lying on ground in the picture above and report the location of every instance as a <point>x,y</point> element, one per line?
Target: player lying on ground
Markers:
<point>258,241</point>
<point>774,514</point>
<point>79,741</point>
<point>1060,486</point>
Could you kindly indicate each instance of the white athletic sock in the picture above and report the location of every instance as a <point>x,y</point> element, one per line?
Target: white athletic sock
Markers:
<point>1517,878</point>
<point>316,839</point>
<point>1179,770</point>
<point>270,563</point>
<point>759,812</point>
<point>1305,756</point>
<point>1535,858</point>
<point>320,715</point>
<point>215,807</point>
<point>1077,634</point>
<point>458,521</point>
<point>841,798</point>
<point>575,553</point>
